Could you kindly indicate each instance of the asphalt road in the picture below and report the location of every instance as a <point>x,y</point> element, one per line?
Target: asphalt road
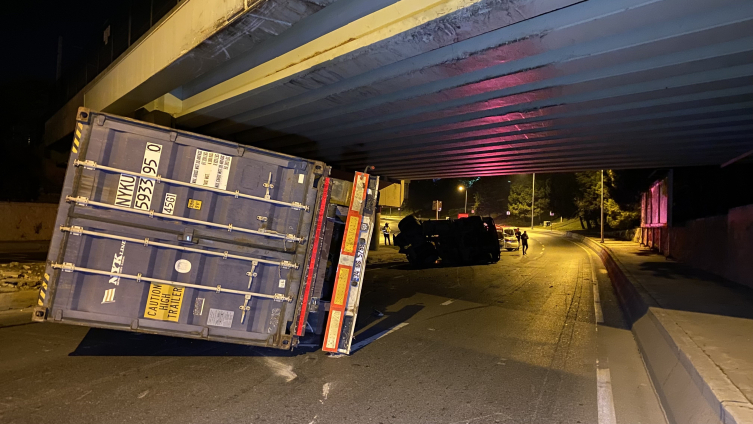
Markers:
<point>513,342</point>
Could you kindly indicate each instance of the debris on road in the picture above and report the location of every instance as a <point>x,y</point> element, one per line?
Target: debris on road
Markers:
<point>16,277</point>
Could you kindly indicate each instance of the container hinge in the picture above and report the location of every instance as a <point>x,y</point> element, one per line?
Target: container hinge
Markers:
<point>298,206</point>
<point>268,185</point>
<point>263,220</point>
<point>65,267</point>
<point>81,201</point>
<point>87,164</point>
<point>75,230</point>
<point>279,297</point>
<point>251,274</point>
<point>288,265</point>
<point>245,308</point>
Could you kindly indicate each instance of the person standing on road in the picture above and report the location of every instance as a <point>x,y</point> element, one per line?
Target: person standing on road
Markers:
<point>386,232</point>
<point>524,239</point>
<point>517,236</point>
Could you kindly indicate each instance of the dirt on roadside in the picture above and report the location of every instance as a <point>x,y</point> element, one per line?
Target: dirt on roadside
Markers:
<point>16,276</point>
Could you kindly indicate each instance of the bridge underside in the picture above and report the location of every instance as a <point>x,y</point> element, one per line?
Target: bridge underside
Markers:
<point>449,88</point>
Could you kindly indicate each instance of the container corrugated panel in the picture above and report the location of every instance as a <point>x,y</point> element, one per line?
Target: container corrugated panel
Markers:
<point>169,232</point>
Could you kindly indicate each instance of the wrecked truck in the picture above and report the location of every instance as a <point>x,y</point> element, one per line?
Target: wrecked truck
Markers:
<point>471,240</point>
<point>168,232</point>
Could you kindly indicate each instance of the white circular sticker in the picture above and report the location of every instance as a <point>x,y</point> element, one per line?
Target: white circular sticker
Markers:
<point>183,266</point>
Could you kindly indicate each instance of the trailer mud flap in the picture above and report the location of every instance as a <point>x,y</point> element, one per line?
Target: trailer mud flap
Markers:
<point>359,228</point>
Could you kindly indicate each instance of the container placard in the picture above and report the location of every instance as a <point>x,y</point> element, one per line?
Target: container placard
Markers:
<point>211,169</point>
<point>220,318</point>
<point>333,330</point>
<point>341,285</point>
<point>351,234</point>
<point>164,302</point>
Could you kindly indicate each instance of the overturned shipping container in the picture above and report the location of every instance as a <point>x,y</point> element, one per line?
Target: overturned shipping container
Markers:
<point>168,232</point>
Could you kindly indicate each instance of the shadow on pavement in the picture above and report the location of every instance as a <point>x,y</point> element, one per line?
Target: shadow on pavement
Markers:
<point>390,320</point>
<point>104,342</point>
<point>681,287</point>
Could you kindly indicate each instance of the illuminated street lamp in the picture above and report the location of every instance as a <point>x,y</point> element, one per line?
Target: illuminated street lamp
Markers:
<point>462,188</point>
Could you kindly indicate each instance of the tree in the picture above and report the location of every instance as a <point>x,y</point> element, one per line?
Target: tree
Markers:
<point>490,195</point>
<point>519,200</point>
<point>588,202</point>
<point>588,199</point>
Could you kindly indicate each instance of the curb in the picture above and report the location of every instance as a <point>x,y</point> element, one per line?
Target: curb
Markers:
<point>691,387</point>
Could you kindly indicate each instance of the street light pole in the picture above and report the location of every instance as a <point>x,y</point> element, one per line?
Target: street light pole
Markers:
<point>464,188</point>
<point>533,197</point>
<point>602,206</point>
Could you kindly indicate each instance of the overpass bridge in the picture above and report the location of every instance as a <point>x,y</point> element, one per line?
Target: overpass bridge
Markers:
<point>448,88</point>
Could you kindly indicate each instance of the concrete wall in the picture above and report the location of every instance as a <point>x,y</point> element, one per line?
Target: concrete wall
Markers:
<point>393,195</point>
<point>27,221</point>
<point>722,245</point>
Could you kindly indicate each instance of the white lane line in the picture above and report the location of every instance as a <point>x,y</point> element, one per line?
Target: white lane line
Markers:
<point>598,313</point>
<point>604,396</point>
<point>447,302</point>
<point>376,337</point>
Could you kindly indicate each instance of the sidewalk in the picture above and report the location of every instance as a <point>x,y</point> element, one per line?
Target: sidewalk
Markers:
<point>695,331</point>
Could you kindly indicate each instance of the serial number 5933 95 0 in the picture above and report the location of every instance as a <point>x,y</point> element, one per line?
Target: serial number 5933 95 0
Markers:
<point>149,166</point>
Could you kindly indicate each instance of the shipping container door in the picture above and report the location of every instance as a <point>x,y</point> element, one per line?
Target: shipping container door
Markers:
<point>174,233</point>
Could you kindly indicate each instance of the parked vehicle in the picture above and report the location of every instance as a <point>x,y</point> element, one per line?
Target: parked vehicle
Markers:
<point>507,239</point>
<point>168,232</point>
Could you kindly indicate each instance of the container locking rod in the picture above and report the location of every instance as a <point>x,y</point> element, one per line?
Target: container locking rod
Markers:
<point>83,201</point>
<point>76,230</point>
<point>69,267</point>
<point>91,165</point>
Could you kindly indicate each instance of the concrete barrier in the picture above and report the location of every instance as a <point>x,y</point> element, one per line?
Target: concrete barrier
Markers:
<point>718,244</point>
<point>26,221</point>
<point>692,389</point>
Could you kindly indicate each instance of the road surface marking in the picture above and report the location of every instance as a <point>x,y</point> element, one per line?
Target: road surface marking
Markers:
<point>447,302</point>
<point>604,396</point>
<point>325,392</point>
<point>376,337</point>
<point>599,314</point>
<point>283,370</point>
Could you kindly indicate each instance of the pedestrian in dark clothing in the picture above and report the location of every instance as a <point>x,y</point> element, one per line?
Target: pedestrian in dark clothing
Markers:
<point>524,239</point>
<point>517,236</point>
<point>386,232</point>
